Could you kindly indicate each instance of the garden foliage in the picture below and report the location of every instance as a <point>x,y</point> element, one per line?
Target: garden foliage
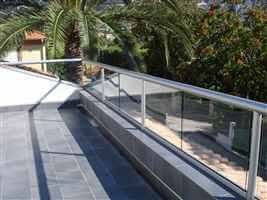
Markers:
<point>230,54</point>
<point>229,51</point>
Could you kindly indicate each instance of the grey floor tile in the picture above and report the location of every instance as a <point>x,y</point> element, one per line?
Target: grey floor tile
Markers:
<point>142,192</point>
<point>1,191</point>
<point>55,192</point>
<point>77,191</point>
<point>71,177</point>
<point>16,190</point>
<point>1,145</point>
<point>1,120</point>
<point>126,176</point>
<point>65,165</point>
<point>99,143</point>
<point>75,147</point>
<point>67,158</point>
<point>109,193</point>
<point>35,193</point>
<point>11,167</point>
<point>111,158</point>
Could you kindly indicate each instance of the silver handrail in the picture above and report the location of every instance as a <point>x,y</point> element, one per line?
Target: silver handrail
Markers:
<point>196,91</point>
<point>42,61</point>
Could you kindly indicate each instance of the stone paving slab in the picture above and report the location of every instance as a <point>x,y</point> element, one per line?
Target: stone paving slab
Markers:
<point>61,154</point>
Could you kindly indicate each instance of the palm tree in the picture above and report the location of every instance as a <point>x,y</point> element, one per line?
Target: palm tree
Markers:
<point>79,27</point>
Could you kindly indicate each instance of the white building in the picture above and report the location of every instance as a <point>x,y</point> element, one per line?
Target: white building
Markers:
<point>205,4</point>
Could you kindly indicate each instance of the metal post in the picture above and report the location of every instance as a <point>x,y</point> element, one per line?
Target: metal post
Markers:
<point>103,83</point>
<point>182,118</point>
<point>211,108</point>
<point>119,77</point>
<point>254,155</point>
<point>143,103</point>
<point>232,126</point>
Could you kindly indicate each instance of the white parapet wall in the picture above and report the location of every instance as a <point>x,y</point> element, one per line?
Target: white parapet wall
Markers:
<point>19,88</point>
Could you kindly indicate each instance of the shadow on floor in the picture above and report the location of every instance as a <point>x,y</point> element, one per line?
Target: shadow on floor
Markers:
<point>110,174</point>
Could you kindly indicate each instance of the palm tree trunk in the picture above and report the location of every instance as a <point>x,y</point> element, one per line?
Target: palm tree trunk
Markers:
<point>73,50</point>
<point>130,50</point>
<point>132,64</point>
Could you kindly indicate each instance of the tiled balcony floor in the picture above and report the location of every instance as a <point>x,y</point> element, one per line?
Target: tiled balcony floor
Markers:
<point>61,154</point>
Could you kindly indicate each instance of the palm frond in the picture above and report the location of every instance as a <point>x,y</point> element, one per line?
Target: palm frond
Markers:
<point>164,17</point>
<point>166,48</point>
<point>89,34</point>
<point>14,29</point>
<point>58,19</point>
<point>172,4</point>
<point>83,4</point>
<point>122,33</point>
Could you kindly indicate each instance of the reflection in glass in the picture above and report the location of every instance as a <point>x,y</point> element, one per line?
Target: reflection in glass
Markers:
<point>112,86</point>
<point>218,136</point>
<point>130,96</point>
<point>163,112</point>
<point>93,79</point>
<point>261,190</point>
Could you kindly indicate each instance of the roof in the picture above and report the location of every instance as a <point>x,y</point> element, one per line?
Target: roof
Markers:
<point>32,70</point>
<point>35,36</point>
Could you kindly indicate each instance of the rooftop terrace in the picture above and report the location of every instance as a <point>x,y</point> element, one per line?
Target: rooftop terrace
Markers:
<point>127,135</point>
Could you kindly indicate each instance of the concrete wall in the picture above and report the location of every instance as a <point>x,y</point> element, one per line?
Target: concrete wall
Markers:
<point>11,56</point>
<point>19,88</point>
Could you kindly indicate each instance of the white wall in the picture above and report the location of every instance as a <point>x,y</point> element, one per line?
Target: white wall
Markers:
<point>20,87</point>
<point>32,52</point>
<point>11,56</point>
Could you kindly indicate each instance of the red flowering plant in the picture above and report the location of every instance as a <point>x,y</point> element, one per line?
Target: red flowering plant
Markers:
<point>230,53</point>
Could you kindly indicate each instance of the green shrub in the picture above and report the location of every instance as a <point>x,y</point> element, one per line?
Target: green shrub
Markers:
<point>113,55</point>
<point>230,54</point>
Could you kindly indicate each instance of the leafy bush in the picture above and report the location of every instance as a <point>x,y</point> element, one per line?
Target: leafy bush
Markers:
<point>58,69</point>
<point>113,55</point>
<point>230,54</point>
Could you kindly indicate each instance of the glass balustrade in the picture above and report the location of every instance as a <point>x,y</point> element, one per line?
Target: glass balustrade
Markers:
<point>130,96</point>
<point>261,180</point>
<point>218,136</point>
<point>214,134</point>
<point>163,112</point>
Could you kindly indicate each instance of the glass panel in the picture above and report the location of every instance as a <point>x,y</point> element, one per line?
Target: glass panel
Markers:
<point>218,136</point>
<point>262,170</point>
<point>93,79</point>
<point>63,70</point>
<point>112,87</point>
<point>92,73</point>
<point>130,96</point>
<point>163,112</point>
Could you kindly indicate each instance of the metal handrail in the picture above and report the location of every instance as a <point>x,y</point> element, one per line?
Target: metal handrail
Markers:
<point>42,61</point>
<point>196,91</point>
